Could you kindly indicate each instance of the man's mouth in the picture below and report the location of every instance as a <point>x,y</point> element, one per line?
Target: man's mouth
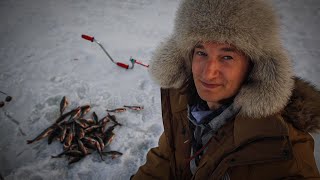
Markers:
<point>210,85</point>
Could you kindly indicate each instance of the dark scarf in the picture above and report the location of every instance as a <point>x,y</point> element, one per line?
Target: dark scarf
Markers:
<point>207,123</point>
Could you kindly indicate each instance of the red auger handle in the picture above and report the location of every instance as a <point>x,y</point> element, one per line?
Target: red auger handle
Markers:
<point>86,37</point>
<point>126,66</point>
<point>138,62</point>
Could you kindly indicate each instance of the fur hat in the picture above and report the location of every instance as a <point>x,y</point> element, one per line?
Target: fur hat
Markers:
<point>249,25</point>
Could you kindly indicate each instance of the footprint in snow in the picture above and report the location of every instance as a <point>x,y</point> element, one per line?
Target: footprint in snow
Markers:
<point>144,85</point>
<point>82,91</point>
<point>53,101</point>
<point>106,95</point>
<point>140,98</point>
<point>56,79</point>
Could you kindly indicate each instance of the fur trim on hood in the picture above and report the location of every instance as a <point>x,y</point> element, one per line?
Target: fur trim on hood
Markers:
<point>249,25</point>
<point>303,109</point>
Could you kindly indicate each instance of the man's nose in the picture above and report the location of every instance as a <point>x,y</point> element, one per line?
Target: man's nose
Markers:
<point>212,68</point>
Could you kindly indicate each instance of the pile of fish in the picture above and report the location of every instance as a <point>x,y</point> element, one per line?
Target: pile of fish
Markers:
<point>82,136</point>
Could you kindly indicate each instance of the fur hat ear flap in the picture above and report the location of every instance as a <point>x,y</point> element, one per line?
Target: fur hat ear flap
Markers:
<point>268,89</point>
<point>169,68</point>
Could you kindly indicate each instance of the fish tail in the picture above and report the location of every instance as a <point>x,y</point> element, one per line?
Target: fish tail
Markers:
<point>101,156</point>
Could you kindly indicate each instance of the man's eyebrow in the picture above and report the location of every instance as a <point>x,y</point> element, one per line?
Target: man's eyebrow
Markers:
<point>200,46</point>
<point>228,49</point>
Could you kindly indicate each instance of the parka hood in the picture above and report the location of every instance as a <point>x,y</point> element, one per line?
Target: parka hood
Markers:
<point>303,109</point>
<point>249,25</point>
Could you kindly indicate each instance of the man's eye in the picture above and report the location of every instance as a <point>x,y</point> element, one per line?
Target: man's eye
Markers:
<point>227,57</point>
<point>200,53</point>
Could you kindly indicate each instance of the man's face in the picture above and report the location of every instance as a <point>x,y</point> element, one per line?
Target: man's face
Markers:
<point>218,71</point>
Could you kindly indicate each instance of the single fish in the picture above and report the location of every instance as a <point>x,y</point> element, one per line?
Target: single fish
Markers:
<point>101,143</point>
<point>90,142</point>
<point>75,159</point>
<point>73,147</point>
<point>114,154</point>
<point>113,119</point>
<point>95,117</point>
<point>73,129</point>
<point>90,121</point>
<point>61,119</point>
<point>68,140</point>
<point>82,148</point>
<point>85,109</point>
<point>55,133</point>
<point>97,135</point>
<point>103,128</point>
<point>103,122</point>
<point>63,153</point>
<point>99,150</point>
<point>110,129</point>
<point>74,153</point>
<point>43,134</point>
<point>108,138</point>
<point>63,104</point>
<point>82,122</point>
<point>75,115</point>
<point>80,132</point>
<point>63,133</point>
<point>90,146</point>
<point>117,110</point>
<point>136,108</point>
<point>91,128</point>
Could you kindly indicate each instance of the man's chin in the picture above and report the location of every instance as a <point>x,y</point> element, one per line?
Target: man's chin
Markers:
<point>209,98</point>
<point>217,99</point>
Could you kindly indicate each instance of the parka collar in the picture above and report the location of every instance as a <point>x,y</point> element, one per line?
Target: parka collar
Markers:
<point>303,109</point>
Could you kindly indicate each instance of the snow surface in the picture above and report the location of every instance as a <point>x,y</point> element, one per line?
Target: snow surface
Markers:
<point>43,58</point>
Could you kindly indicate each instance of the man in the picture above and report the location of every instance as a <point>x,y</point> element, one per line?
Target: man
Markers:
<point>232,108</point>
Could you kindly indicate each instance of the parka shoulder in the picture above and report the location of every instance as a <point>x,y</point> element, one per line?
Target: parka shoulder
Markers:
<point>303,109</point>
<point>300,163</point>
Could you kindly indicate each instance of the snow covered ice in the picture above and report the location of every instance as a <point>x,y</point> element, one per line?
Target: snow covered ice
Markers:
<point>43,58</point>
